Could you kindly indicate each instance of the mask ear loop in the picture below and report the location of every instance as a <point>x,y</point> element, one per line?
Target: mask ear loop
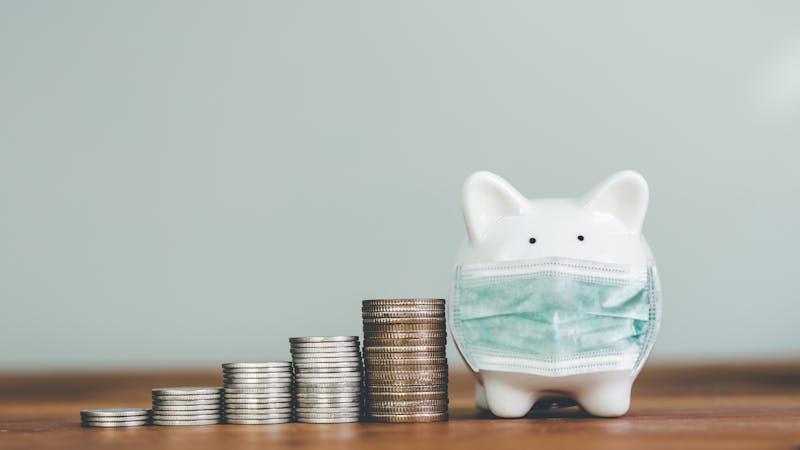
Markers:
<point>652,318</point>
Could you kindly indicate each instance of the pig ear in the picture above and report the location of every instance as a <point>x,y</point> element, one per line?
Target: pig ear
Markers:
<point>486,198</point>
<point>624,195</point>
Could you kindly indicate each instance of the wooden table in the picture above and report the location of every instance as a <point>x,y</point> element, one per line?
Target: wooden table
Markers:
<point>673,407</point>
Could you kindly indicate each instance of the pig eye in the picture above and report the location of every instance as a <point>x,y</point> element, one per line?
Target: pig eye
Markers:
<point>532,240</point>
<point>580,237</point>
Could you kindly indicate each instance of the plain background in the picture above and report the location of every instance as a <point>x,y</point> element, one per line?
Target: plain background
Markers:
<point>186,183</point>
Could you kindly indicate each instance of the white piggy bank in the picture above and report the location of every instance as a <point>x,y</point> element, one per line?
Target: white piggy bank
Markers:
<point>555,297</point>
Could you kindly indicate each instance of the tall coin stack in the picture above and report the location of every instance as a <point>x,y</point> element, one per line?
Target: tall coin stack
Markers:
<point>328,379</point>
<point>187,406</point>
<point>405,360</point>
<point>258,393</point>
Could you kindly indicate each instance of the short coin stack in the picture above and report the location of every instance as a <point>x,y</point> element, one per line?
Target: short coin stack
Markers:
<point>187,406</point>
<point>258,393</point>
<point>328,379</point>
<point>405,360</point>
<point>115,417</point>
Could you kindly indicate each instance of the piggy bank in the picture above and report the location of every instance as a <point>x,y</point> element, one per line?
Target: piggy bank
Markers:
<point>555,297</point>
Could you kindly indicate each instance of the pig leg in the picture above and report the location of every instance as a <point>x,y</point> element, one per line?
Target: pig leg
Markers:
<point>506,399</point>
<point>480,397</point>
<point>606,398</point>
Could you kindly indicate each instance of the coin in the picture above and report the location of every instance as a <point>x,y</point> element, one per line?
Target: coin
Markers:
<point>258,375</point>
<point>210,403</point>
<point>251,416</point>
<point>328,420</point>
<point>187,416</point>
<point>185,422</point>
<point>396,418</point>
<point>403,327</point>
<point>317,339</point>
<point>182,408</point>
<point>182,391</point>
<point>318,411</point>
<point>116,419</point>
<point>258,390</point>
<point>375,398</point>
<point>114,412</point>
<point>278,365</point>
<point>99,424</point>
<point>419,342</point>
<point>258,396</point>
<point>232,407</point>
<point>258,422</point>
<point>402,301</point>
<point>326,415</point>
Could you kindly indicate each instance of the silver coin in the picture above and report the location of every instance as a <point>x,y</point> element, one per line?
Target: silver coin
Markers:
<point>281,365</point>
<point>187,417</point>
<point>241,403</point>
<point>114,412</point>
<point>233,407</point>
<point>440,403</point>
<point>335,420</point>
<point>330,408</point>
<point>187,399</point>
<point>157,408</point>
<point>325,352</point>
<point>238,404</point>
<point>257,390</point>
<point>185,422</point>
<point>402,315</point>
<point>314,339</point>
<point>325,395</point>
<point>321,362</point>
<point>258,416</point>
<point>399,301</point>
<point>187,391</point>
<point>324,345</point>
<point>208,403</point>
<point>115,419</point>
<point>328,403</point>
<point>402,358</point>
<point>258,422</point>
<point>99,424</point>
<point>403,306</point>
<point>284,380</point>
<point>259,385</point>
<point>301,367</point>
<point>334,370</point>
<point>276,397</point>
<point>260,377</point>
<point>334,387</point>
<point>332,415</point>
<point>328,377</point>
<point>326,355</point>
<point>258,374</point>
<point>330,390</point>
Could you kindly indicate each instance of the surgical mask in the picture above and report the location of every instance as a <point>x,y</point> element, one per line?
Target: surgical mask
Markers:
<point>554,316</point>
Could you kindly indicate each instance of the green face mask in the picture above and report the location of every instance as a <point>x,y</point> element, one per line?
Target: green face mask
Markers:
<point>554,316</point>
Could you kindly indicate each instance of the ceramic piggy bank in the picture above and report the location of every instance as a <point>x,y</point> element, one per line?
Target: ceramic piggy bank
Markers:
<point>555,297</point>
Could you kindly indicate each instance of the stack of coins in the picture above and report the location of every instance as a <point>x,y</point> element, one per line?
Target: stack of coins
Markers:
<point>328,379</point>
<point>115,417</point>
<point>258,393</point>
<point>405,360</point>
<point>187,406</point>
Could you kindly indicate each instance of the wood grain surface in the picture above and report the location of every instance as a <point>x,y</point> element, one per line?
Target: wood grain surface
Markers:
<point>681,407</point>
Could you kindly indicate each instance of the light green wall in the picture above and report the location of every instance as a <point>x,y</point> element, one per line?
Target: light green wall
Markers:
<point>192,182</point>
